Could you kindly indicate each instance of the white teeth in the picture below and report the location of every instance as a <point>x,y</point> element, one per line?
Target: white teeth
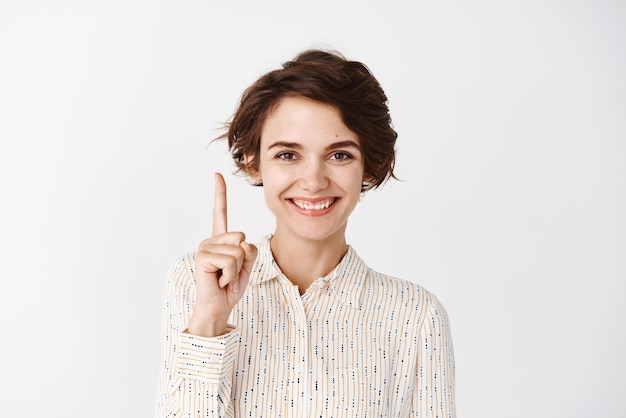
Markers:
<point>313,206</point>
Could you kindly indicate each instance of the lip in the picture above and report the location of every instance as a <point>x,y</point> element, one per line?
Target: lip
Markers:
<point>313,207</point>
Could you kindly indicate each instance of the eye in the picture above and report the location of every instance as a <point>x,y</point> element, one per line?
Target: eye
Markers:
<point>341,156</point>
<point>286,156</point>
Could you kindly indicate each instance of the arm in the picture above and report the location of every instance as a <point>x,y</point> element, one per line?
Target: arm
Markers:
<point>198,345</point>
<point>195,372</point>
<point>434,396</point>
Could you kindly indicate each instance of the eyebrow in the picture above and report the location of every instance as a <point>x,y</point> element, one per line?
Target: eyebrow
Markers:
<point>296,145</point>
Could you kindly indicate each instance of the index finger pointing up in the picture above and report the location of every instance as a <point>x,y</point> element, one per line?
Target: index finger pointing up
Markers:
<point>220,213</point>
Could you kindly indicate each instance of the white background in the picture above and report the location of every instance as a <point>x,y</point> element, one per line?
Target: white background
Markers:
<point>511,149</point>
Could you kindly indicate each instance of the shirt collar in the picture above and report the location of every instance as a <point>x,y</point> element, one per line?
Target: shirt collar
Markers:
<point>346,279</point>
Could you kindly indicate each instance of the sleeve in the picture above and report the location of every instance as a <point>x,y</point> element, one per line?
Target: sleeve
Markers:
<point>434,396</point>
<point>195,377</point>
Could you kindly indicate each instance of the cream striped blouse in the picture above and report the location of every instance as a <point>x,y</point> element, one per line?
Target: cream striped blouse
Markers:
<point>356,344</point>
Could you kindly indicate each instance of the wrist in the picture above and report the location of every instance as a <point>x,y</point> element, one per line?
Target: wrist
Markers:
<point>207,325</point>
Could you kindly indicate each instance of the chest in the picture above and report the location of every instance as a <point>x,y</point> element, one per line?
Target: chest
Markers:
<point>307,356</point>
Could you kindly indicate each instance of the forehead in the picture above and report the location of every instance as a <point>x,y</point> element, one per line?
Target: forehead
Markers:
<point>306,121</point>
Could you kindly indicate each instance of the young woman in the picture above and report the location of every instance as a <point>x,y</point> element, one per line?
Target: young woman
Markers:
<point>299,326</point>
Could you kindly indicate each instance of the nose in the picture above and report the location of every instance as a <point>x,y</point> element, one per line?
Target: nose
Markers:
<point>313,176</point>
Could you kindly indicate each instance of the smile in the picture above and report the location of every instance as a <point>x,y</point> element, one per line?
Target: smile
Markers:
<point>319,205</point>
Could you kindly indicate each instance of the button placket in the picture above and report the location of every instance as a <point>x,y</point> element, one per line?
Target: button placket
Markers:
<point>298,390</point>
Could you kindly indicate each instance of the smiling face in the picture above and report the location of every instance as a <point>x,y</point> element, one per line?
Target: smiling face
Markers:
<point>312,168</point>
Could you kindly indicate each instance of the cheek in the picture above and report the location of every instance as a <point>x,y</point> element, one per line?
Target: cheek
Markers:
<point>353,179</point>
<point>274,182</point>
<point>277,175</point>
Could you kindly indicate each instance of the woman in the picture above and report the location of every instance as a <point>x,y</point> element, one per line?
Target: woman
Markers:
<point>300,326</point>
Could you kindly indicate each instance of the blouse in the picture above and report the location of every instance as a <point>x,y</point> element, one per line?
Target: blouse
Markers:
<point>356,344</point>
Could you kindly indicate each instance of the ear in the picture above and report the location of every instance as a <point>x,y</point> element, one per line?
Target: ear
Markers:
<point>253,174</point>
<point>366,181</point>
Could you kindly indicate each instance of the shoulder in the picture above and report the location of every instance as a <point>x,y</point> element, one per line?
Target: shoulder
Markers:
<point>395,287</point>
<point>181,272</point>
<point>402,294</point>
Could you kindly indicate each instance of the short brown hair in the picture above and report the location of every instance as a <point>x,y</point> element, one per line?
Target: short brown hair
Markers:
<point>325,77</point>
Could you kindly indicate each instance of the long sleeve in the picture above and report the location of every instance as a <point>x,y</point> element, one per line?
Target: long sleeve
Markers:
<point>357,343</point>
<point>434,396</point>
<point>195,372</point>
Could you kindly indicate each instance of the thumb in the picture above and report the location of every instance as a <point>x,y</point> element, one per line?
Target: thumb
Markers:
<point>250,254</point>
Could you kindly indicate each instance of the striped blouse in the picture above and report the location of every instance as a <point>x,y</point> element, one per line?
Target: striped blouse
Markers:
<point>357,344</point>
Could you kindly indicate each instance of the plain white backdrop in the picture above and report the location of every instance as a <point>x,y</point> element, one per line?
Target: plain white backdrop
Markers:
<point>511,151</point>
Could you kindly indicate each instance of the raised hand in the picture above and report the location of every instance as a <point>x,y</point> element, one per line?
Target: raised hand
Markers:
<point>223,265</point>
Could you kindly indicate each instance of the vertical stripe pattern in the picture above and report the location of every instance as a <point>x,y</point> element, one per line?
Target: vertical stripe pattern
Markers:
<point>356,344</point>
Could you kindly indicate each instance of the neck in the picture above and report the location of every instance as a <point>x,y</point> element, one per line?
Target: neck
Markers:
<point>304,261</point>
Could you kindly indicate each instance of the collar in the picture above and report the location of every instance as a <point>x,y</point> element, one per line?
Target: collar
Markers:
<point>346,280</point>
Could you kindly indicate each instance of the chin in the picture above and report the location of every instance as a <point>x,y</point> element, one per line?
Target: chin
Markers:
<point>317,234</point>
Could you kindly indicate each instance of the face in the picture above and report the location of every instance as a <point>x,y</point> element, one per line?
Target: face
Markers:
<point>312,167</point>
